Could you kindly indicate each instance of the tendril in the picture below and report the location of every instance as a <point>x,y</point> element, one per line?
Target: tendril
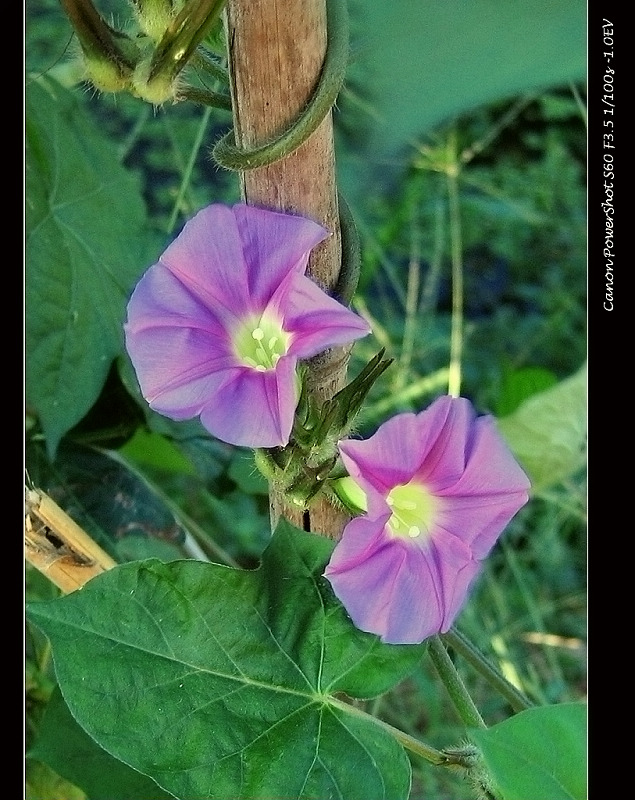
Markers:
<point>228,155</point>
<point>348,277</point>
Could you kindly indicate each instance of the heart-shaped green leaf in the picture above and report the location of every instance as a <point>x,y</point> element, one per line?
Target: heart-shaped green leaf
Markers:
<point>547,432</point>
<point>218,682</point>
<point>538,754</point>
<point>85,247</point>
<point>67,748</point>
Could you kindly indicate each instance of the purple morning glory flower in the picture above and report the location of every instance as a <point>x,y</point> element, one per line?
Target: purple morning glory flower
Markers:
<point>217,326</point>
<point>438,489</point>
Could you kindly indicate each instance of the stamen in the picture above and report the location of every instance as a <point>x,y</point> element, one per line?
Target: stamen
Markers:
<point>407,505</point>
<point>261,342</point>
<point>413,510</point>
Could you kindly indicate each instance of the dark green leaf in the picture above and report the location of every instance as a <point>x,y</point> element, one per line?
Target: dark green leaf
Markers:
<point>547,433</point>
<point>221,683</point>
<point>65,747</point>
<point>85,248</point>
<point>42,783</point>
<point>154,450</point>
<point>416,65</point>
<point>538,754</point>
<point>520,384</point>
<point>109,500</point>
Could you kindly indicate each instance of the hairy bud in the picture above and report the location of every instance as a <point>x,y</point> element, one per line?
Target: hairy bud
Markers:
<point>156,89</point>
<point>154,17</point>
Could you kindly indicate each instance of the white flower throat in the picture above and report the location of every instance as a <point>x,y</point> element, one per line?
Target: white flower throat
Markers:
<point>413,510</point>
<point>260,342</point>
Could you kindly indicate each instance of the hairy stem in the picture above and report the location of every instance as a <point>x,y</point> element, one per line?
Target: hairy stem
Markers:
<point>467,650</point>
<point>430,754</point>
<point>459,695</point>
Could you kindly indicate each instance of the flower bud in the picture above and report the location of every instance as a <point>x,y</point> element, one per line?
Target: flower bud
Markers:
<point>109,55</point>
<point>154,17</point>
<point>106,75</point>
<point>156,89</point>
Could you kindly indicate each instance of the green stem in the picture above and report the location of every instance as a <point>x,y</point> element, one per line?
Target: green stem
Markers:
<point>96,37</point>
<point>128,143</point>
<point>469,153</point>
<point>205,63</point>
<point>412,301</point>
<point>456,334</point>
<point>465,648</point>
<point>189,169</point>
<point>45,657</point>
<point>205,97</point>
<point>184,35</point>
<point>459,695</point>
<point>430,754</point>
<point>348,277</point>
<point>229,156</point>
<point>580,102</point>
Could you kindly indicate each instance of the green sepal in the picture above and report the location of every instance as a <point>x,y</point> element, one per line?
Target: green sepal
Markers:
<point>350,494</point>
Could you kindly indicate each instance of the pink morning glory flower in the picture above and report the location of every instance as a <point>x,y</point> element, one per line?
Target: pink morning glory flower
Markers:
<point>438,488</point>
<point>216,328</point>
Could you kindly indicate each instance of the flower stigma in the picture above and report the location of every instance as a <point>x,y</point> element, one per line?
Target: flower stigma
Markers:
<point>413,510</point>
<point>260,342</point>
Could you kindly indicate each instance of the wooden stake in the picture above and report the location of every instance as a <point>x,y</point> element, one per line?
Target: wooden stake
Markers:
<point>276,50</point>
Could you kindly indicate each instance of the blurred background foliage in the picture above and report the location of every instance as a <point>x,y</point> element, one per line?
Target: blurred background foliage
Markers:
<point>461,140</point>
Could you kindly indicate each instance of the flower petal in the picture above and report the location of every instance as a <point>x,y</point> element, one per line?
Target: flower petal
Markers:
<point>317,321</point>
<point>359,572</point>
<point>254,409</point>
<point>363,537</point>
<point>161,300</point>
<point>175,343</point>
<point>275,245</point>
<point>388,458</point>
<point>207,257</point>
<point>490,465</point>
<point>398,589</point>
<point>178,369</point>
<point>491,490</point>
<point>445,433</point>
<point>452,568</point>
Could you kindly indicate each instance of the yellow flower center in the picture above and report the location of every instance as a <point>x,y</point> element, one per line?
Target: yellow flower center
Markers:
<point>413,510</point>
<point>260,342</point>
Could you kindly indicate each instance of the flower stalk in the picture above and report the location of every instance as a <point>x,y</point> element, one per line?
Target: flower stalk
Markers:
<point>467,710</point>
<point>468,650</point>
<point>184,34</point>
<point>110,56</point>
